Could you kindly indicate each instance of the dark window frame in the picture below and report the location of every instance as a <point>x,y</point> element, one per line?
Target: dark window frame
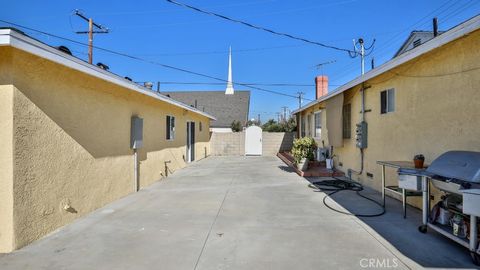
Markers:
<point>347,121</point>
<point>170,128</point>
<point>387,101</point>
<point>302,124</point>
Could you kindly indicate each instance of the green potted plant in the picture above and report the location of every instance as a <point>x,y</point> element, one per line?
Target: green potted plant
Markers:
<point>302,151</point>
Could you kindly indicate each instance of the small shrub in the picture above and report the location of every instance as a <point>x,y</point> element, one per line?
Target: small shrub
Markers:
<point>303,148</point>
<point>236,126</point>
<point>284,126</point>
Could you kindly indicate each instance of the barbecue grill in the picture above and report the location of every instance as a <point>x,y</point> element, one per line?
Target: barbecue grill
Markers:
<point>454,172</point>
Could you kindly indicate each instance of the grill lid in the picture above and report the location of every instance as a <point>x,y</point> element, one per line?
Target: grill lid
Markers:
<point>461,165</point>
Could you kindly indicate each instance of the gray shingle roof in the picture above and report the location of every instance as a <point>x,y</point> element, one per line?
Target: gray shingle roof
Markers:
<point>225,108</point>
<point>421,36</point>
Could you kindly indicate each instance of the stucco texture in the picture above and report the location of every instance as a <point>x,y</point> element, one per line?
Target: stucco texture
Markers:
<point>436,110</point>
<point>6,168</point>
<point>71,143</point>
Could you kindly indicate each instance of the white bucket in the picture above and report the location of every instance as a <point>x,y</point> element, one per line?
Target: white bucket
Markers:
<point>329,162</point>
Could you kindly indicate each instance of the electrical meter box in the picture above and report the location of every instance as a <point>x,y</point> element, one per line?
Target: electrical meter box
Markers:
<point>361,133</point>
<point>136,133</point>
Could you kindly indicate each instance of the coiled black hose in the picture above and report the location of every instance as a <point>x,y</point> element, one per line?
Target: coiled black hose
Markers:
<point>336,185</point>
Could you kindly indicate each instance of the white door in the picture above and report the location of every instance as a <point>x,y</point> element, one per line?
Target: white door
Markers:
<point>253,141</point>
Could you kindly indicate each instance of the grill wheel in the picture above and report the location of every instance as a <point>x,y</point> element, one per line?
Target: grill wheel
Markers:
<point>423,228</point>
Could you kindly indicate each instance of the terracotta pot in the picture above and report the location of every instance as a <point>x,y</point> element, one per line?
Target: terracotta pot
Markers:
<point>418,163</point>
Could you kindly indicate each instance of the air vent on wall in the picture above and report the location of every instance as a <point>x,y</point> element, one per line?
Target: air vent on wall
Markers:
<point>417,43</point>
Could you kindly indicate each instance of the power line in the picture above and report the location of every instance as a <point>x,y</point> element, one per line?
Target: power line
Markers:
<point>166,11</point>
<point>254,84</point>
<point>392,41</point>
<point>225,51</point>
<point>438,75</point>
<point>258,27</point>
<point>419,23</point>
<point>148,61</point>
<point>459,11</point>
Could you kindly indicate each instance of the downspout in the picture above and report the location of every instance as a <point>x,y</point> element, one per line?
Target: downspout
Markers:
<point>135,170</point>
<point>350,171</point>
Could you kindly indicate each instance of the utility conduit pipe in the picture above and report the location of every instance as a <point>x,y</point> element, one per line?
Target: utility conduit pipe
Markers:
<point>350,171</point>
<point>135,170</point>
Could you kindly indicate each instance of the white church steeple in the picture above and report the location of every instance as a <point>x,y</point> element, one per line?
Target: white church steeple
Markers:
<point>229,90</point>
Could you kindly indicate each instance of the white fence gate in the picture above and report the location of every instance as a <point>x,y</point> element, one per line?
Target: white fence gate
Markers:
<point>253,141</point>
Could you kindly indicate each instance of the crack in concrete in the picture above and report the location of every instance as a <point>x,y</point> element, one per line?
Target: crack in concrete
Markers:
<point>213,223</point>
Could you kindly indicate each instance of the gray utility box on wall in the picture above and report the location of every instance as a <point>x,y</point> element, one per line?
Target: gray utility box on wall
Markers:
<point>361,134</point>
<point>136,133</point>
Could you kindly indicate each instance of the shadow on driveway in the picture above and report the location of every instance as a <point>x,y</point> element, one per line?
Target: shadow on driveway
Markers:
<point>430,250</point>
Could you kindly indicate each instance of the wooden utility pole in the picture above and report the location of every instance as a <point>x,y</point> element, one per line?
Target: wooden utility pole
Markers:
<point>90,40</point>
<point>90,32</point>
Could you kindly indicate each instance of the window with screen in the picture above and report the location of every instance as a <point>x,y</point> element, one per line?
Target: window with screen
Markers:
<point>318,125</point>
<point>170,127</point>
<point>347,121</point>
<point>387,101</point>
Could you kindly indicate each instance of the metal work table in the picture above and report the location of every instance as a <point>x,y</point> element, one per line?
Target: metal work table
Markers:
<point>395,189</point>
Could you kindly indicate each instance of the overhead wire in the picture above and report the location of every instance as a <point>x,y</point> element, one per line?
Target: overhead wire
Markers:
<point>255,84</point>
<point>148,61</point>
<point>223,51</point>
<point>259,27</point>
<point>459,11</point>
<point>243,3</point>
<point>392,41</point>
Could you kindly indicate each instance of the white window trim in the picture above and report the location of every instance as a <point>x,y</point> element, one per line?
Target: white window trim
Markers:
<point>171,138</point>
<point>387,107</point>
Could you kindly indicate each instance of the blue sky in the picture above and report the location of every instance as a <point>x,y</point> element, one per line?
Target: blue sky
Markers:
<point>166,33</point>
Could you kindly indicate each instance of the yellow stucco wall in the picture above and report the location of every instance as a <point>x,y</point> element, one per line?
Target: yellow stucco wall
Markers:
<point>6,168</point>
<point>71,137</point>
<point>432,114</point>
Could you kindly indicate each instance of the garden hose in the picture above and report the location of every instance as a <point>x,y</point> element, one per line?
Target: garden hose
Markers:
<point>335,185</point>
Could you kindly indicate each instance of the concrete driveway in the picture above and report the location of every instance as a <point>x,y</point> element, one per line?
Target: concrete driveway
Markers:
<point>219,213</point>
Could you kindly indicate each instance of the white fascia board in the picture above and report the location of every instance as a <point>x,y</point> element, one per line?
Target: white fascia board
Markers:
<point>447,37</point>
<point>12,38</point>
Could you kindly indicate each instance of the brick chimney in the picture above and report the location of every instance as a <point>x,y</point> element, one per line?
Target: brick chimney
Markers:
<point>321,86</point>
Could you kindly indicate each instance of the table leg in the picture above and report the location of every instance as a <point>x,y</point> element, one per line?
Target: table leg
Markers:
<point>473,234</point>
<point>404,202</point>
<point>383,185</point>
<point>425,199</point>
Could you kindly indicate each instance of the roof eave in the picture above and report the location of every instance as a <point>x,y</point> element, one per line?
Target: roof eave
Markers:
<point>22,42</point>
<point>450,35</point>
